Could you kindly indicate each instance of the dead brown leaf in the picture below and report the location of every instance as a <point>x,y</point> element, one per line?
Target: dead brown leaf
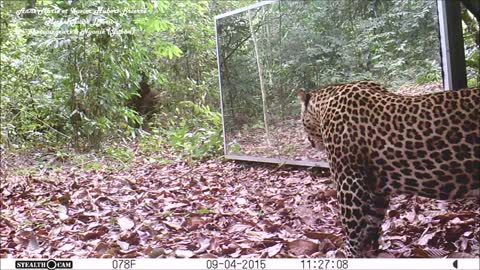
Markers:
<point>125,223</point>
<point>302,247</point>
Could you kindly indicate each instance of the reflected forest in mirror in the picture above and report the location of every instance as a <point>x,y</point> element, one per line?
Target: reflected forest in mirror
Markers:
<point>267,53</point>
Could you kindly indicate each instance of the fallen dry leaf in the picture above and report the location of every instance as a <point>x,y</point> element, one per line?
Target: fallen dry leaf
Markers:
<point>425,238</point>
<point>67,247</point>
<point>125,223</point>
<point>302,247</point>
<point>273,250</point>
<point>183,253</point>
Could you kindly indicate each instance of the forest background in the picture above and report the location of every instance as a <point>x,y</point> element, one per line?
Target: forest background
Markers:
<point>96,87</point>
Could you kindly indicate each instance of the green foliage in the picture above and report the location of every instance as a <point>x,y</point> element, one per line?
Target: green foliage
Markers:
<point>205,211</point>
<point>29,109</point>
<point>471,36</point>
<point>120,153</point>
<point>234,147</point>
<point>94,165</point>
<point>71,92</point>
<point>72,87</point>
<point>196,136</point>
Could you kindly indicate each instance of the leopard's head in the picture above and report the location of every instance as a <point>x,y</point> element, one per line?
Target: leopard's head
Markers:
<point>310,119</point>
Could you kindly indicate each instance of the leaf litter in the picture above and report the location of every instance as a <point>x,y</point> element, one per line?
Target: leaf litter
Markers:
<point>208,210</point>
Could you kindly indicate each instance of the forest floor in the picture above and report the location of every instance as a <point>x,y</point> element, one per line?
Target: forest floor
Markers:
<point>52,207</point>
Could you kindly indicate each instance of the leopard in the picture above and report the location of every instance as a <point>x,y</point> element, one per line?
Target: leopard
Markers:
<point>379,143</point>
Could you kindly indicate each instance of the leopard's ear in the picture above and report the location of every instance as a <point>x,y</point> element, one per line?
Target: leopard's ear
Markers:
<point>303,96</point>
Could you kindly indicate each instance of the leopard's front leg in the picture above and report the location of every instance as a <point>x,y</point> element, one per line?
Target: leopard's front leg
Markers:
<point>362,213</point>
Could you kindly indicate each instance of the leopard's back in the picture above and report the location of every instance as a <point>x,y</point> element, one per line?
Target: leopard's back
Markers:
<point>427,145</point>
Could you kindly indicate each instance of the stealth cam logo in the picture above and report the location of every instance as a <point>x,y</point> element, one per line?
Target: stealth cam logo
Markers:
<point>43,264</point>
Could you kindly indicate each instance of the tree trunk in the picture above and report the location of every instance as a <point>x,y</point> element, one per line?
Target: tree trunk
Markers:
<point>260,77</point>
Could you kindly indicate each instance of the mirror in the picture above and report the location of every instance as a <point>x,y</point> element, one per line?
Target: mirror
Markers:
<point>270,49</point>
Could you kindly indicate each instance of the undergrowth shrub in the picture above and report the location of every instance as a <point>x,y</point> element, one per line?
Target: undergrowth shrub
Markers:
<point>193,131</point>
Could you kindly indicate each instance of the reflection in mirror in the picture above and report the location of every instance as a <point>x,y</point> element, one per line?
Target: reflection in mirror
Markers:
<point>269,51</point>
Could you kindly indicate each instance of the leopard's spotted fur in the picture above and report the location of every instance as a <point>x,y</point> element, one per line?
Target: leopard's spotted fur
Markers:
<point>379,143</point>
